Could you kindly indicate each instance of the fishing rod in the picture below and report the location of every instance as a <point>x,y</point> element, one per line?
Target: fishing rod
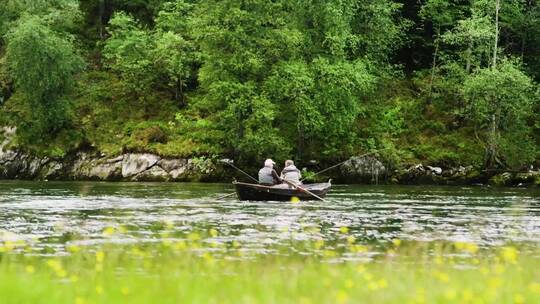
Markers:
<point>298,187</point>
<point>229,162</point>
<point>224,196</point>
<point>337,165</point>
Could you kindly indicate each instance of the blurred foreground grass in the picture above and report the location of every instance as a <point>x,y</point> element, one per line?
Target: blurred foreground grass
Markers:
<point>197,268</point>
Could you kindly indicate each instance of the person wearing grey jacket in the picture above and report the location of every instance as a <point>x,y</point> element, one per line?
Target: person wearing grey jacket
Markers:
<point>267,175</point>
<point>291,173</point>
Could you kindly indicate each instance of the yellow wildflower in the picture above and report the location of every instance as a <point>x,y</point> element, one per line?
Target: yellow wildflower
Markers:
<point>450,294</point>
<point>295,200</point>
<point>30,269</point>
<point>519,299</point>
<point>373,286</point>
<point>194,236</point>
<point>368,276</point>
<point>467,295</point>
<point>344,230</point>
<point>100,256</point>
<point>329,253</point>
<point>213,232</point>
<point>79,300</point>
<point>396,242</point>
<point>459,245</point>
<point>319,244</point>
<point>207,256</point>
<point>125,291</point>
<point>534,287</point>
<point>61,273</point>
<point>99,267</point>
<point>180,245</point>
<point>73,248</point>
<point>509,254</point>
<point>108,231</point>
<point>9,246</point>
<point>471,248</point>
<point>441,276</point>
<point>54,265</point>
<point>494,283</point>
<point>304,300</point>
<point>382,283</point>
<point>342,297</point>
<point>360,248</point>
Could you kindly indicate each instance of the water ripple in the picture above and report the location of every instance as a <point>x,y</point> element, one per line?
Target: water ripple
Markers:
<point>52,214</point>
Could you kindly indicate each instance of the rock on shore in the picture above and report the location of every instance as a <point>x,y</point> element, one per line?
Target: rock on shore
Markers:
<point>363,169</point>
<point>94,166</point>
<point>151,167</point>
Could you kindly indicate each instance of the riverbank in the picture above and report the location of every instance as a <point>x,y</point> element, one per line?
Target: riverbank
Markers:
<point>95,166</point>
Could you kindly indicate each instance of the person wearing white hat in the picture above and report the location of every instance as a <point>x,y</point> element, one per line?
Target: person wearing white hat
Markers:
<point>267,175</point>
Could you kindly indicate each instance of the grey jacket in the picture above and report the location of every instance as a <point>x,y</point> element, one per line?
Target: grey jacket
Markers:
<point>292,174</point>
<point>268,176</point>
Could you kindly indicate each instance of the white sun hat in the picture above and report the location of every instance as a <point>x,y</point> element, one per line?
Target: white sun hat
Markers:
<point>269,163</point>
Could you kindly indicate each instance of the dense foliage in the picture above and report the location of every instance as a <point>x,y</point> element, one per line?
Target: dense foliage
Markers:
<point>445,82</point>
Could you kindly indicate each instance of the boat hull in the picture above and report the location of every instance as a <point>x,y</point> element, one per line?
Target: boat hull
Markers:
<point>282,192</point>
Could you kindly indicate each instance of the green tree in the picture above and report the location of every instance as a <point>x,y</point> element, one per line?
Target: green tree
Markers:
<point>150,58</point>
<point>42,64</point>
<point>127,52</point>
<point>499,101</point>
<point>474,37</point>
<point>62,15</point>
<point>175,53</point>
<point>377,29</point>
<point>441,15</point>
<point>239,43</point>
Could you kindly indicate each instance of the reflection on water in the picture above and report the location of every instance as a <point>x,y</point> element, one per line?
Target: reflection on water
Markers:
<point>51,214</point>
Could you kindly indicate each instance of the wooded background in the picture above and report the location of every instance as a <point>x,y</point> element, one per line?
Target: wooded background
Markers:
<point>442,82</point>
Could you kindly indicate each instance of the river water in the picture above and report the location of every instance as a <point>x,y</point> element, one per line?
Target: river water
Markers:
<point>51,214</point>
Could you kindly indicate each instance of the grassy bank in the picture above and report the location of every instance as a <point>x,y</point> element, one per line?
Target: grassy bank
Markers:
<point>199,269</point>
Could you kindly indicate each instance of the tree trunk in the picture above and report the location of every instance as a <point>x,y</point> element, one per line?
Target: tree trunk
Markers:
<point>433,65</point>
<point>469,55</point>
<point>493,140</point>
<point>100,20</point>
<point>497,8</point>
<point>522,46</point>
<point>179,92</point>
<point>468,67</point>
<point>301,141</point>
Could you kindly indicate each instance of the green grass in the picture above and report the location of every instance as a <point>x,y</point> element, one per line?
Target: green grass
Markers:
<point>198,270</point>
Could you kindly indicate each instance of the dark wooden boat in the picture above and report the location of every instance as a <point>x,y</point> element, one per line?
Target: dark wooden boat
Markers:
<point>281,192</point>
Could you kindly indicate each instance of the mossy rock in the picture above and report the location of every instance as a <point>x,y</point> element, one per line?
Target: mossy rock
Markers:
<point>473,175</point>
<point>501,179</point>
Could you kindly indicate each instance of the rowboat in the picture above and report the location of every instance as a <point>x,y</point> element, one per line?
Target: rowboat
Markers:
<point>281,192</point>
